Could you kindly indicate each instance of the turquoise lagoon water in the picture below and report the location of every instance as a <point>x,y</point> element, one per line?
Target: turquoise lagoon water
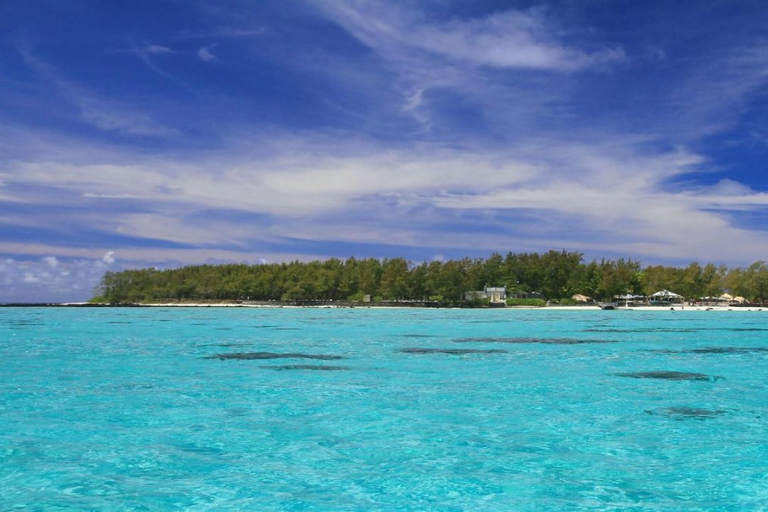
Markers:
<point>132,409</point>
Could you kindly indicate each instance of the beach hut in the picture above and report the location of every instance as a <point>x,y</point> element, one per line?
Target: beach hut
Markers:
<point>581,298</point>
<point>739,300</point>
<point>665,297</point>
<point>726,297</point>
<point>629,299</point>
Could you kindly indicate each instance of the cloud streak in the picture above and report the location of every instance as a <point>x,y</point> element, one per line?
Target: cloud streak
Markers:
<point>507,40</point>
<point>147,52</point>
<point>107,115</point>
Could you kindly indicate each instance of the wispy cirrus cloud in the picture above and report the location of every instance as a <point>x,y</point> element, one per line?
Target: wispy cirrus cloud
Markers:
<point>104,114</point>
<point>507,66</point>
<point>152,49</point>
<point>108,116</point>
<point>147,52</point>
<point>510,39</point>
<point>225,32</point>
<point>719,87</point>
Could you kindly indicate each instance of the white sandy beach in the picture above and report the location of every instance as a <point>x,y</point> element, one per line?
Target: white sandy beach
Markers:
<point>742,309</point>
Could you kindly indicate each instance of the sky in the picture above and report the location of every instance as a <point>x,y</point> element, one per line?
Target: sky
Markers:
<point>161,133</point>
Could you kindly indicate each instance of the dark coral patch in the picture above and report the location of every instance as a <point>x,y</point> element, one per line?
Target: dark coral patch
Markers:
<point>223,345</point>
<point>677,329</point>
<point>272,355</point>
<point>450,351</point>
<point>546,341</point>
<point>318,367</point>
<point>715,350</point>
<point>644,330</point>
<point>728,350</point>
<point>668,375</point>
<point>681,413</point>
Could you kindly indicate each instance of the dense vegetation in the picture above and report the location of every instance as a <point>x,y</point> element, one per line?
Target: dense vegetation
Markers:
<point>554,274</point>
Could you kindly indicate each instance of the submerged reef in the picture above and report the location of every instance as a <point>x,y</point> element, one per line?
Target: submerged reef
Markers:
<point>451,351</point>
<point>715,350</point>
<point>272,355</point>
<point>550,341</point>
<point>669,375</point>
<point>320,367</point>
<point>682,413</point>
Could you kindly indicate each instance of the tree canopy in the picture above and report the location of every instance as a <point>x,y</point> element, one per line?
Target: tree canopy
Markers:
<point>554,274</point>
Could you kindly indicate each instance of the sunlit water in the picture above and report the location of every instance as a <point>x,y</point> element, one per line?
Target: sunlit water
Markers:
<point>148,409</point>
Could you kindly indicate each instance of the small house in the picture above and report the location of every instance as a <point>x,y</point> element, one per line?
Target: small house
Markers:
<point>495,294</point>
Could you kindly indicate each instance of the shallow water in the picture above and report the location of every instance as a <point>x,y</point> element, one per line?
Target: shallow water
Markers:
<point>134,409</point>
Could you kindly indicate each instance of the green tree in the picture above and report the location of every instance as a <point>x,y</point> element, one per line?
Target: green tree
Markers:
<point>394,279</point>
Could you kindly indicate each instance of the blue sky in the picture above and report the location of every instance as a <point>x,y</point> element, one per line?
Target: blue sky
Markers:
<point>170,132</point>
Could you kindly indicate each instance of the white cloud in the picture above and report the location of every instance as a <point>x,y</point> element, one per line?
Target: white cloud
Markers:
<point>109,258</point>
<point>49,279</point>
<point>91,195</point>
<point>507,40</point>
<point>30,278</point>
<point>511,39</point>
<point>154,49</point>
<point>205,54</point>
<point>605,198</point>
<point>284,186</point>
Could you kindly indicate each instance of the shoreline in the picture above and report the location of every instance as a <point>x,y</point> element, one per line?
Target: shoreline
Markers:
<point>676,308</point>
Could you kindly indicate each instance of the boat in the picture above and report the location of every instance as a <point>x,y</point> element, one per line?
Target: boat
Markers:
<point>607,305</point>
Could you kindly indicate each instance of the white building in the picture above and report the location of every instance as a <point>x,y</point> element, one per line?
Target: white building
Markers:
<point>496,294</point>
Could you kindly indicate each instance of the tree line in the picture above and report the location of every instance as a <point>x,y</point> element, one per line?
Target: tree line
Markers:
<point>554,274</point>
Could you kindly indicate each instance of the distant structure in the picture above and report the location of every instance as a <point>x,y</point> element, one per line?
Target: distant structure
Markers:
<point>527,295</point>
<point>495,294</point>
<point>665,298</point>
